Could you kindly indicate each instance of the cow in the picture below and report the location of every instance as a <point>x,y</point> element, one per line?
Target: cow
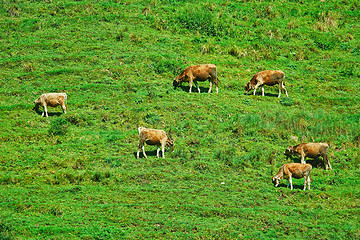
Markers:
<point>269,78</point>
<point>153,137</point>
<point>311,150</point>
<point>198,73</point>
<point>293,170</point>
<point>52,100</point>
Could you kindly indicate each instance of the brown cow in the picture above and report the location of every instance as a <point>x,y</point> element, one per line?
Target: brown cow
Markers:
<point>52,100</point>
<point>269,78</point>
<point>311,150</point>
<point>293,170</point>
<point>153,137</point>
<point>199,73</point>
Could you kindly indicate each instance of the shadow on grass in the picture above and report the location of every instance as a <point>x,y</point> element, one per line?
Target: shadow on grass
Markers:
<point>295,186</point>
<point>194,89</point>
<point>148,153</point>
<point>315,162</point>
<point>260,94</point>
<point>50,114</point>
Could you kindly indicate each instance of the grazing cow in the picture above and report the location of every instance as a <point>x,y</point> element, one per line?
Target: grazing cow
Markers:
<point>293,170</point>
<point>269,78</point>
<point>201,73</point>
<point>52,100</point>
<point>311,150</point>
<point>153,137</point>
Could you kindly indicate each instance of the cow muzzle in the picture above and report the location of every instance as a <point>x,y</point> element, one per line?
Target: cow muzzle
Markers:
<point>275,182</point>
<point>247,87</point>
<point>176,83</point>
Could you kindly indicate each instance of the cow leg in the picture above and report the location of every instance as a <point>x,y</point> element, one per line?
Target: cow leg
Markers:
<point>283,87</point>
<point>329,164</point>
<point>290,181</point>
<point>309,182</point>
<point>45,111</point>
<point>280,89</point>
<point>190,85</point>
<point>210,87</point>
<point>326,162</point>
<point>139,149</point>
<point>163,144</point>
<point>303,159</point>
<point>256,86</point>
<point>305,182</point>
<point>262,90</point>
<point>197,85</point>
<point>163,152</point>
<point>143,148</point>
<point>157,152</point>
<point>138,153</point>
<point>63,106</point>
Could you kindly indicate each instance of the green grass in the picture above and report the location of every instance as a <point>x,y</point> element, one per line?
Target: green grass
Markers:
<point>76,176</point>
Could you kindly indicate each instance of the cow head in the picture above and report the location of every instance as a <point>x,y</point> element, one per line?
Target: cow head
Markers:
<point>37,103</point>
<point>169,142</point>
<point>248,87</point>
<point>276,181</point>
<point>176,82</point>
<point>289,151</point>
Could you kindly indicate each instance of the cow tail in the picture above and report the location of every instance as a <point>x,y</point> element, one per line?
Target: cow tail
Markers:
<point>217,80</point>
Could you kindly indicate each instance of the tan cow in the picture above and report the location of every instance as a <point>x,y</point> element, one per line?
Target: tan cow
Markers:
<point>311,150</point>
<point>293,170</point>
<point>52,100</point>
<point>269,78</point>
<point>153,137</point>
<point>201,73</point>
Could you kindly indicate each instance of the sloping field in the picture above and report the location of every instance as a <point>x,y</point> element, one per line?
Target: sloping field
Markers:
<point>76,176</point>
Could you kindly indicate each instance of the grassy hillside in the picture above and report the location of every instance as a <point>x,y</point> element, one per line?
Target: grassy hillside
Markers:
<point>75,175</point>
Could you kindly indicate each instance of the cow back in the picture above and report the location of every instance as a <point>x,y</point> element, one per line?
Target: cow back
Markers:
<point>152,136</point>
<point>199,73</point>
<point>314,149</point>
<point>270,77</point>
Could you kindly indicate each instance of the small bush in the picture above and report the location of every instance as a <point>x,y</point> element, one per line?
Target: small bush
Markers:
<point>349,71</point>
<point>138,100</point>
<point>203,21</point>
<point>208,48</point>
<point>286,101</point>
<point>226,156</point>
<point>152,118</point>
<point>234,51</point>
<point>99,176</point>
<point>325,41</point>
<point>120,36</point>
<point>246,101</point>
<point>166,66</point>
<point>5,232</point>
<point>75,119</point>
<point>201,167</point>
<point>58,126</point>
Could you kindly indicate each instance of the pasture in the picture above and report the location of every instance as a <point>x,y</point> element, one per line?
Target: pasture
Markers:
<point>76,176</point>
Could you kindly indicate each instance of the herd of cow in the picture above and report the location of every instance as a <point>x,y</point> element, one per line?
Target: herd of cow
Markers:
<point>200,73</point>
